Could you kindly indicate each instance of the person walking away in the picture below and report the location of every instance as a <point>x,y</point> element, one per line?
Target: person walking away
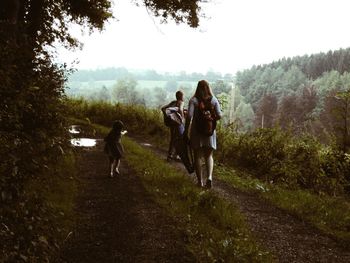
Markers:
<point>176,122</point>
<point>203,112</point>
<point>114,148</point>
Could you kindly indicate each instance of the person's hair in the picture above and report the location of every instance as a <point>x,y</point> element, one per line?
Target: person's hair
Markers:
<point>118,125</point>
<point>179,95</point>
<point>203,90</point>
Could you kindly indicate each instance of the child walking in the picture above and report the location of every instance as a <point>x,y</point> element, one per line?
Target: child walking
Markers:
<point>114,148</point>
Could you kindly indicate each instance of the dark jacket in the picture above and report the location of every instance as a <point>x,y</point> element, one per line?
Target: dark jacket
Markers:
<point>113,145</point>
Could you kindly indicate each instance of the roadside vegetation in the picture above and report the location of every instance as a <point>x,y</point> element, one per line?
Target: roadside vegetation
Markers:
<point>35,229</point>
<point>294,162</point>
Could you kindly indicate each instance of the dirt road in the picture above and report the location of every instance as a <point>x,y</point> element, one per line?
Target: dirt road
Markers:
<point>118,221</point>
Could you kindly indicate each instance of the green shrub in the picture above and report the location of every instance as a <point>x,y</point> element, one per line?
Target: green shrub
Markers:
<point>260,150</point>
<point>276,156</point>
<point>303,153</point>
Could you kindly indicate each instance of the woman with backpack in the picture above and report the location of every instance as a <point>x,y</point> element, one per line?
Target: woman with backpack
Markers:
<point>203,112</point>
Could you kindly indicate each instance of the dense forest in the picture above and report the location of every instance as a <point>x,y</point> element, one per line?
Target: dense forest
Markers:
<point>304,94</point>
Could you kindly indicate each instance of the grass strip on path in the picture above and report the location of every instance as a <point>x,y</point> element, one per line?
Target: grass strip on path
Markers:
<point>215,229</point>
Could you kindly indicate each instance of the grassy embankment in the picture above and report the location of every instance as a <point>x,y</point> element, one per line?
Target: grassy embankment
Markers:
<point>55,192</point>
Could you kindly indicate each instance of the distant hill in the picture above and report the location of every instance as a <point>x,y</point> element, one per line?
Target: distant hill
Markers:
<point>121,72</point>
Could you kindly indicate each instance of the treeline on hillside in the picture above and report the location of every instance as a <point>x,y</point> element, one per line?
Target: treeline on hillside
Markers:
<point>288,75</point>
<point>304,94</point>
<point>113,73</point>
<point>313,66</point>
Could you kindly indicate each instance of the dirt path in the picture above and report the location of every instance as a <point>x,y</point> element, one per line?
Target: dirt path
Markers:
<point>287,237</point>
<point>118,221</point>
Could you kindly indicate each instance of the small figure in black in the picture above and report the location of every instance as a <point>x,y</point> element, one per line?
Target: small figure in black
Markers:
<point>114,148</point>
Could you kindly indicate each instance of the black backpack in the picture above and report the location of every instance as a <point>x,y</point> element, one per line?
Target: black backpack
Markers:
<point>168,121</point>
<point>205,117</point>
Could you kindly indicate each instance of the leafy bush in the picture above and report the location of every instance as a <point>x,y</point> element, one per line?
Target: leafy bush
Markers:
<point>259,150</point>
<point>303,153</point>
<point>277,157</point>
<point>335,168</point>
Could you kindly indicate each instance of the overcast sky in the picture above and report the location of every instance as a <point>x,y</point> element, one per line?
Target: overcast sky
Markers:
<point>238,35</point>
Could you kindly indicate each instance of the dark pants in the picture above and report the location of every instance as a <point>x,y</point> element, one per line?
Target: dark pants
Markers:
<point>175,133</point>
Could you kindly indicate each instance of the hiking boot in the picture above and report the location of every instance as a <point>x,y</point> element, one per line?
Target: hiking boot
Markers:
<point>208,184</point>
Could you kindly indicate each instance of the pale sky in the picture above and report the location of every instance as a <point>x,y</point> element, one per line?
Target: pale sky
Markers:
<point>238,35</point>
